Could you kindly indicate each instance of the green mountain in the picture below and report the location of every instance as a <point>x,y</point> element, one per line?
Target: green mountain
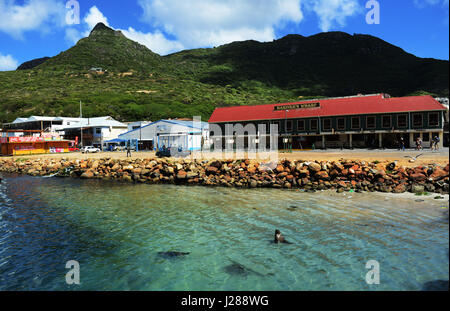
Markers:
<point>104,48</point>
<point>138,84</point>
<point>33,63</point>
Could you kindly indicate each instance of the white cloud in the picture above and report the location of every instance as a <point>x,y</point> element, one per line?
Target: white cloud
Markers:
<point>39,15</point>
<point>199,23</point>
<point>7,62</point>
<point>73,35</point>
<point>92,18</point>
<point>334,13</point>
<point>156,41</point>
<point>207,23</point>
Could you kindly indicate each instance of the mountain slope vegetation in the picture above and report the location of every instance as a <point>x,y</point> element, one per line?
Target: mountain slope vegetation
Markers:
<point>138,84</point>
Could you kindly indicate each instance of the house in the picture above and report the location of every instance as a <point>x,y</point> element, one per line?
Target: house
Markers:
<point>40,123</point>
<point>95,130</point>
<point>187,135</point>
<point>375,121</point>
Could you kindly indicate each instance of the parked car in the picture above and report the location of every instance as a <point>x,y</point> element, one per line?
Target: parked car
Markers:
<point>172,152</point>
<point>90,149</point>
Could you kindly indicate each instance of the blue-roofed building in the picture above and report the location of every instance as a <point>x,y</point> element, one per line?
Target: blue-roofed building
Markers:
<point>186,135</point>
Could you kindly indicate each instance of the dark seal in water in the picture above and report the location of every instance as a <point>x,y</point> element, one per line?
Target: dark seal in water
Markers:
<point>172,254</point>
<point>240,270</point>
<point>279,238</point>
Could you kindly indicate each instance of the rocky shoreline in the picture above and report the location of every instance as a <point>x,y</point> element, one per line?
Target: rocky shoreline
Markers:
<point>343,175</point>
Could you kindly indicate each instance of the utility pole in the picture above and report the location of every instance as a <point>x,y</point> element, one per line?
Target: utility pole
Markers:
<point>286,138</point>
<point>81,124</point>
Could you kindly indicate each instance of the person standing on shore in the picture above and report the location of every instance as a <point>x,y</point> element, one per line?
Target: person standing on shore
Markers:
<point>419,144</point>
<point>436,141</point>
<point>402,144</point>
<point>128,150</point>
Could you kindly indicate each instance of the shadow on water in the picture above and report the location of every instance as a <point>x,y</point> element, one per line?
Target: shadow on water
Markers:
<point>438,285</point>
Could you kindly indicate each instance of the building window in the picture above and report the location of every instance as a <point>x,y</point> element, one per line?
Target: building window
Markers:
<point>426,136</point>
<point>402,120</point>
<point>433,119</point>
<point>341,123</point>
<point>289,126</point>
<point>98,131</point>
<point>301,125</point>
<point>386,121</point>
<point>356,123</point>
<point>417,120</point>
<point>327,124</point>
<point>371,122</point>
<point>314,125</point>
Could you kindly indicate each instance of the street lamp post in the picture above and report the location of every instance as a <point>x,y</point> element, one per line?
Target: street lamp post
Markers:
<point>140,133</point>
<point>287,145</point>
<point>81,124</point>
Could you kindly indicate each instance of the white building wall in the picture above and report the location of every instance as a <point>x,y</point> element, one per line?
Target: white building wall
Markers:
<point>112,132</point>
<point>169,134</point>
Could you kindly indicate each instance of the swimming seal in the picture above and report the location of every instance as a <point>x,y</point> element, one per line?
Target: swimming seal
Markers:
<point>172,254</point>
<point>279,238</point>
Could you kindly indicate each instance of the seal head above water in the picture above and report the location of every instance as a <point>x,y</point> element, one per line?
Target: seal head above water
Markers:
<point>279,238</point>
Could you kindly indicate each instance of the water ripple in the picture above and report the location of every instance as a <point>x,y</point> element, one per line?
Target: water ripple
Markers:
<point>116,230</point>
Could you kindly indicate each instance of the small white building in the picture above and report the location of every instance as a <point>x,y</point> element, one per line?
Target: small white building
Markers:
<point>186,135</point>
<point>96,131</point>
<point>41,123</point>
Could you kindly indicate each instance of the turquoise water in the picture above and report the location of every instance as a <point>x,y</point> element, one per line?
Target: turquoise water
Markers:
<point>116,230</point>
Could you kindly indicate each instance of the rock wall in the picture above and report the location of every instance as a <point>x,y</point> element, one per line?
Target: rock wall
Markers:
<point>340,175</point>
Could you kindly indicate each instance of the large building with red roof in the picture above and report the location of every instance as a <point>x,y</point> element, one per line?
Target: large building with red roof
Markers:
<point>377,121</point>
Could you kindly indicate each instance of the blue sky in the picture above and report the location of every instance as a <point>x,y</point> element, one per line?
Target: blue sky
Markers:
<point>35,28</point>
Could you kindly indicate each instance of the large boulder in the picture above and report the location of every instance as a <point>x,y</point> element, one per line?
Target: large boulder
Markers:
<point>87,175</point>
<point>401,188</point>
<point>416,188</point>
<point>322,175</point>
<point>315,167</point>
<point>280,168</point>
<point>212,170</point>
<point>418,177</point>
<point>438,174</point>
<point>181,175</point>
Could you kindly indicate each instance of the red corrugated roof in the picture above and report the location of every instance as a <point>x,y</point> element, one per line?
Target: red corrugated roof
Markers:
<point>329,107</point>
